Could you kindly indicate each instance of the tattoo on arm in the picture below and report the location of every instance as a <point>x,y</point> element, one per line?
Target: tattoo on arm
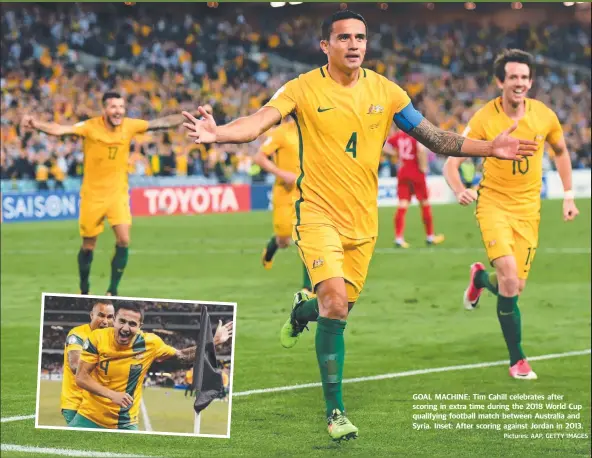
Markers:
<point>438,140</point>
<point>74,359</point>
<point>187,355</point>
<point>166,122</point>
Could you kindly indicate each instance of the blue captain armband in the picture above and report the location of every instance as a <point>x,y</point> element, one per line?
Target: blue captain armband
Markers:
<point>408,118</point>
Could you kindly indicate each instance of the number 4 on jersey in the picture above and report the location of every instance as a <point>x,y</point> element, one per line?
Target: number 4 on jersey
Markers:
<point>352,144</point>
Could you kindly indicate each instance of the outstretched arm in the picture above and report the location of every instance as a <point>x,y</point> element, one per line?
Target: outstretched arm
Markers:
<point>166,122</point>
<point>50,128</point>
<point>450,144</point>
<point>241,130</point>
<point>187,355</point>
<point>447,143</point>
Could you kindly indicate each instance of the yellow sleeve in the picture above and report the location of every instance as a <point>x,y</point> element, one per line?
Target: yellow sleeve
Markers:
<point>475,129</point>
<point>136,126</point>
<point>284,100</point>
<point>399,98</point>
<point>74,342</point>
<point>90,354</point>
<point>272,143</point>
<point>161,349</point>
<point>81,128</point>
<point>555,130</point>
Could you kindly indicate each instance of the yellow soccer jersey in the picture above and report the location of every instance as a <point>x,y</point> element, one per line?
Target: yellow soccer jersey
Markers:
<point>282,145</point>
<point>71,396</point>
<point>120,369</point>
<point>514,186</point>
<point>106,156</point>
<point>342,132</point>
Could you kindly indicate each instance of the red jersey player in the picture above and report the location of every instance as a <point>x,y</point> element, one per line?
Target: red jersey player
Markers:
<point>411,180</point>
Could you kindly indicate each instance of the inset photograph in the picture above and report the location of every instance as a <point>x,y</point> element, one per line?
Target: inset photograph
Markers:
<point>152,366</point>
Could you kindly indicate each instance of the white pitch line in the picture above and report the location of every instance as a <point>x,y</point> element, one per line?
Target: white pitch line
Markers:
<point>410,373</point>
<point>384,250</point>
<point>144,410</point>
<point>385,376</point>
<point>64,452</point>
<point>17,418</point>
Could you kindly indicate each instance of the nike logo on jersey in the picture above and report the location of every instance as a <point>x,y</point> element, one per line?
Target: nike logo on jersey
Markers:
<point>322,110</point>
<point>505,314</point>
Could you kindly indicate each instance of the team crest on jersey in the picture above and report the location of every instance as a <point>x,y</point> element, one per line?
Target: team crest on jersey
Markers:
<point>375,109</point>
<point>539,138</point>
<point>492,243</point>
<point>317,263</point>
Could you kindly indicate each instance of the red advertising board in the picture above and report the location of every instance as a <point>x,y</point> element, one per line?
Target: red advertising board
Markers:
<point>190,200</point>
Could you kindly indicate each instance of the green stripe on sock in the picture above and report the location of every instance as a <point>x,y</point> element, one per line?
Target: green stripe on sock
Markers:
<point>330,349</point>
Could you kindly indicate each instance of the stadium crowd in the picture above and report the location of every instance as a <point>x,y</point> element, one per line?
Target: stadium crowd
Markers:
<point>54,338</point>
<point>57,62</point>
<point>79,304</point>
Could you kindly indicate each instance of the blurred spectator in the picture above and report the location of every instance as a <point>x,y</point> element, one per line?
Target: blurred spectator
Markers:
<point>58,60</point>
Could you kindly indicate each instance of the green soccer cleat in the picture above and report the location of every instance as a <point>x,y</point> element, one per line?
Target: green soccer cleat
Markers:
<point>340,428</point>
<point>292,328</point>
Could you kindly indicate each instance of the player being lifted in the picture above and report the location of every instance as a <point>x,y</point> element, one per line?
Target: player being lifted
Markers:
<point>113,365</point>
<point>104,192</point>
<point>411,180</point>
<point>101,316</point>
<point>508,202</point>
<point>282,146</point>
<point>343,114</point>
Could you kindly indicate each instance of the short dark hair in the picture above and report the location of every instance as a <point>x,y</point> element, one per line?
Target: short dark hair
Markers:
<point>327,25</point>
<point>100,301</point>
<point>110,95</point>
<point>131,306</point>
<point>512,55</point>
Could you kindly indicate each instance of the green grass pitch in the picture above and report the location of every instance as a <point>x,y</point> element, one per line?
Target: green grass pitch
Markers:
<point>409,317</point>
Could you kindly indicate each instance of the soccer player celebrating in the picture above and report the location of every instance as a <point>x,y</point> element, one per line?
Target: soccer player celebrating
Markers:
<point>101,316</point>
<point>104,192</point>
<point>411,180</point>
<point>508,206</point>
<point>282,145</point>
<point>113,365</point>
<point>343,115</point>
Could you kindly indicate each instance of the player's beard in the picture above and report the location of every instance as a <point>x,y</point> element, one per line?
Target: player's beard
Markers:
<point>111,123</point>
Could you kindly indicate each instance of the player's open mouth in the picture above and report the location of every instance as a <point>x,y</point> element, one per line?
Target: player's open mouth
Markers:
<point>519,91</point>
<point>352,57</point>
<point>124,336</point>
